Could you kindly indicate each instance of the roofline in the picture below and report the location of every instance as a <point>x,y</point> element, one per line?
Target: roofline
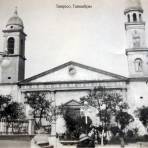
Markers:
<point>76,64</point>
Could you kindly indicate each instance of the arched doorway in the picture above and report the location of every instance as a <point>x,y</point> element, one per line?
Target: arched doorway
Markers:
<point>75,122</point>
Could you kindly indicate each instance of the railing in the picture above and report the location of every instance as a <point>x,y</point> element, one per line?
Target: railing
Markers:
<point>21,127</point>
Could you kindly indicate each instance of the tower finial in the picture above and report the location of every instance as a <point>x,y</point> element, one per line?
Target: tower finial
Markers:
<point>15,11</point>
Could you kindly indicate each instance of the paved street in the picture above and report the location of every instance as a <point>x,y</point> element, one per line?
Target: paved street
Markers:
<point>112,146</point>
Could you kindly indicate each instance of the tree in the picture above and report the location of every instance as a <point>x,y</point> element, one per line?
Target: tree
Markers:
<point>12,112</point>
<point>123,119</point>
<point>108,103</point>
<point>42,108</point>
<point>4,101</point>
<point>142,114</point>
<point>9,109</point>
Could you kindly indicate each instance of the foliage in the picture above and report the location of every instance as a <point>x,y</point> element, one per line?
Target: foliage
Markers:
<point>9,109</point>
<point>142,114</point>
<point>108,103</point>
<point>12,113</point>
<point>114,130</point>
<point>4,101</point>
<point>112,110</point>
<point>75,125</point>
<point>123,119</point>
<point>42,108</point>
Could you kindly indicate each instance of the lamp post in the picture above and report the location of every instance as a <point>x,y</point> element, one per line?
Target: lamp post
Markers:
<point>83,110</point>
<point>103,107</point>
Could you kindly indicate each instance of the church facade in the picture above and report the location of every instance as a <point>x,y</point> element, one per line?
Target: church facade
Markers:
<point>70,81</point>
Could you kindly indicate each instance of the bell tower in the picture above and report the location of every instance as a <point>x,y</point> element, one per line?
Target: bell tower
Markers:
<point>137,52</point>
<point>13,60</point>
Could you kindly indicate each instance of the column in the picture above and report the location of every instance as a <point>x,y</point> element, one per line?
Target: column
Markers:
<point>31,123</point>
<point>52,137</point>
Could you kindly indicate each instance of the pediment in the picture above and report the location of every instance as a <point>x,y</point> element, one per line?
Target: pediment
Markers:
<point>73,71</point>
<point>72,103</point>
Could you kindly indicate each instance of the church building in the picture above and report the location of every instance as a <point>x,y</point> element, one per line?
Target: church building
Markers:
<point>68,82</point>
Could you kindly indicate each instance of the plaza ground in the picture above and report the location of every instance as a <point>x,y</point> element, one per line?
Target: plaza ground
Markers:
<point>113,146</point>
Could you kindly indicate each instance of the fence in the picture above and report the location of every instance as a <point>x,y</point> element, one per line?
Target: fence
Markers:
<point>21,127</point>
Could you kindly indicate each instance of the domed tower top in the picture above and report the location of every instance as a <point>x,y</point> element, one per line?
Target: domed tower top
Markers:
<point>13,64</point>
<point>133,5</point>
<point>137,50</point>
<point>133,11</point>
<point>15,22</point>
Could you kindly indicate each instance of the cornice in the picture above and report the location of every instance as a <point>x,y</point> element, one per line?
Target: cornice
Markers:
<point>14,55</point>
<point>138,79</point>
<point>127,10</point>
<point>3,84</point>
<point>136,50</point>
<point>69,82</point>
<point>17,30</point>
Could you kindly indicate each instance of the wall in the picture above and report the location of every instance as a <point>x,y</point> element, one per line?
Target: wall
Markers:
<point>131,63</point>
<point>11,89</point>
<point>137,94</point>
<point>63,97</point>
<point>15,141</point>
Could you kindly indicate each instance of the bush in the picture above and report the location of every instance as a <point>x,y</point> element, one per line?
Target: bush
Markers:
<point>115,140</point>
<point>128,139</point>
<point>130,134</point>
<point>114,130</point>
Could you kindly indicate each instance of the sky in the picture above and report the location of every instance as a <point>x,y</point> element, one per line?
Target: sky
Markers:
<point>95,37</point>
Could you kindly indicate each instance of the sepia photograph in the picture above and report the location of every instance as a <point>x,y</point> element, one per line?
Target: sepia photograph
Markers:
<point>74,74</point>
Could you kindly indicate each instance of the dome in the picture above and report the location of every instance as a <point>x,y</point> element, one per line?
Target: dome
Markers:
<point>15,20</point>
<point>133,5</point>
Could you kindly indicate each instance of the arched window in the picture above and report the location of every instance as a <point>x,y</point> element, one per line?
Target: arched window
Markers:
<point>128,17</point>
<point>11,45</point>
<point>134,17</point>
<point>140,17</point>
<point>138,65</point>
